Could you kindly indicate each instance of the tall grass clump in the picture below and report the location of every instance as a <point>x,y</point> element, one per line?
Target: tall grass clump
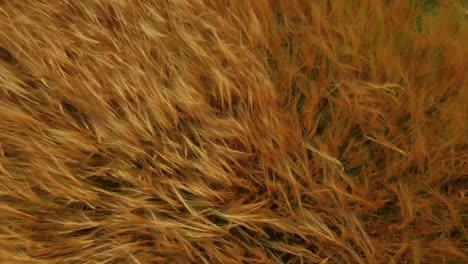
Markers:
<point>249,131</point>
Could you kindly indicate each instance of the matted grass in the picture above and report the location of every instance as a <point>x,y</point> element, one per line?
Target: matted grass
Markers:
<point>249,131</point>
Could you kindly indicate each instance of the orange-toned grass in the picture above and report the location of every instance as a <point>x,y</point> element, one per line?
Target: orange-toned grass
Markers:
<point>246,131</point>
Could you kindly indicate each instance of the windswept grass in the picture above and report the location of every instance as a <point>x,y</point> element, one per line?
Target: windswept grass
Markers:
<point>250,131</point>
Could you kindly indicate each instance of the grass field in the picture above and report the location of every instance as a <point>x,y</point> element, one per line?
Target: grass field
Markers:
<point>246,131</point>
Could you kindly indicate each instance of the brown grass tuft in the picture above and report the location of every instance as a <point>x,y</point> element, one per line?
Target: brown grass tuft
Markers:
<point>249,131</point>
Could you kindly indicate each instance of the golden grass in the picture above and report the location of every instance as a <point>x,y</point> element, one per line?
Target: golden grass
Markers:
<point>247,131</point>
